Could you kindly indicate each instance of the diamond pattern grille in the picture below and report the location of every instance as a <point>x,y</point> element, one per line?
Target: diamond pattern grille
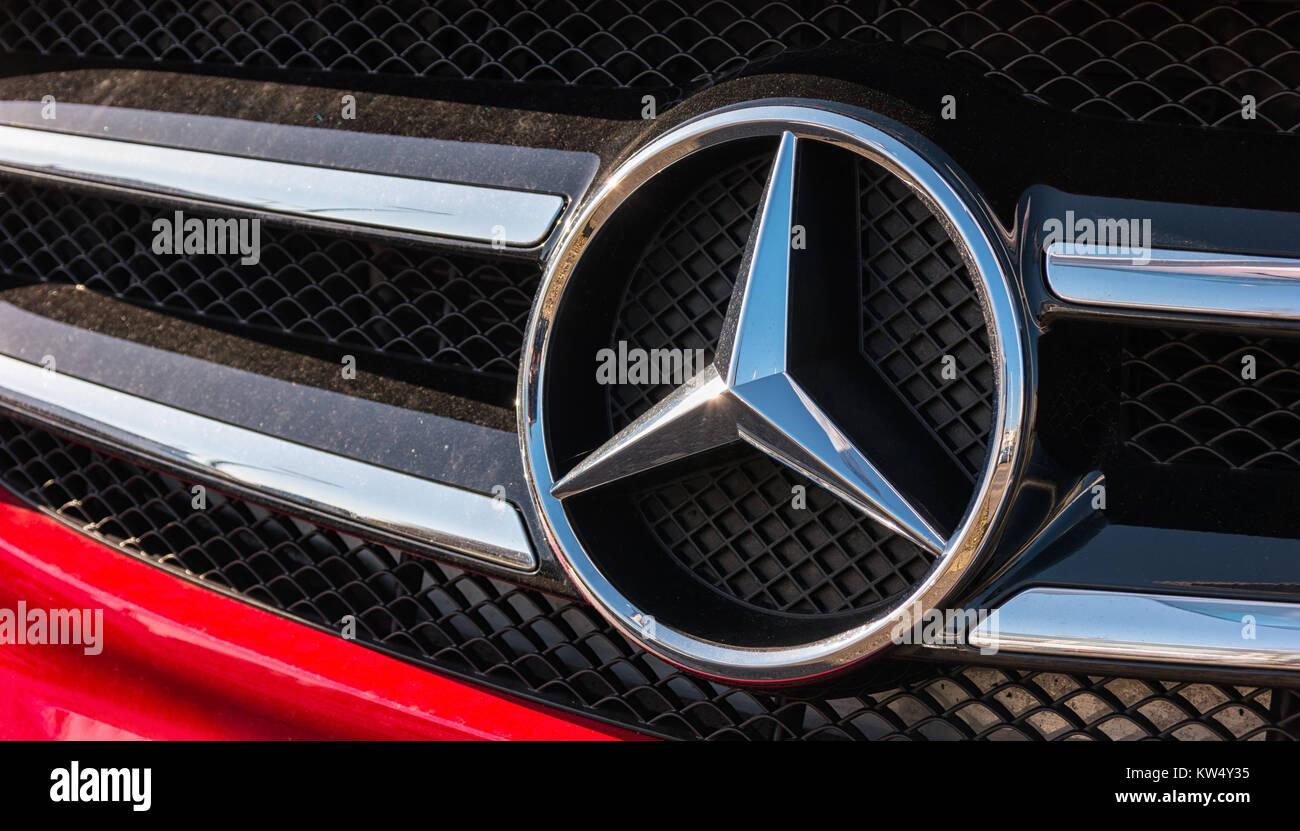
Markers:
<point>1184,400</point>
<point>563,653</point>
<point>919,306</point>
<point>736,527</point>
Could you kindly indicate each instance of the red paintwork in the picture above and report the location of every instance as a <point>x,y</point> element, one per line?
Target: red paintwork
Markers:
<point>183,662</point>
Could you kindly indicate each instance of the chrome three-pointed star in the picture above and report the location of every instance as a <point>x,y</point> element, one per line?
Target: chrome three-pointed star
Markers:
<point>749,393</point>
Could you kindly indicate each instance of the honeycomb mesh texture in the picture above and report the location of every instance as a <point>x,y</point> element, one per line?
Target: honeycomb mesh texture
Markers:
<point>1184,400</point>
<point>430,308</point>
<point>1186,62</point>
<point>563,653</point>
<point>919,307</point>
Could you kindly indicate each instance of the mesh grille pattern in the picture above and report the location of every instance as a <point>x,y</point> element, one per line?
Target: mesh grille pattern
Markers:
<point>1184,400</point>
<point>1009,705</point>
<point>1187,62</point>
<point>562,652</point>
<point>919,305</point>
<point>735,527</point>
<point>679,291</point>
<point>445,310</point>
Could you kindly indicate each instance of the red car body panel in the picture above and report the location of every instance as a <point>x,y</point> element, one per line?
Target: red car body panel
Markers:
<point>180,661</point>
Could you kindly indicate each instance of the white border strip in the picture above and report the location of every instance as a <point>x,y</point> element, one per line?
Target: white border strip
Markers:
<point>481,214</point>
<point>286,474</point>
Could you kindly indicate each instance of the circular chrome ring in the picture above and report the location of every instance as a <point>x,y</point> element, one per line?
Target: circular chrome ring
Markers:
<point>970,225</point>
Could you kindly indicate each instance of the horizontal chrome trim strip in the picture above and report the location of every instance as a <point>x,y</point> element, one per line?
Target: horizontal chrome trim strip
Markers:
<point>566,173</point>
<point>445,209</point>
<point>372,501</point>
<point>1196,282</point>
<point>1145,627</point>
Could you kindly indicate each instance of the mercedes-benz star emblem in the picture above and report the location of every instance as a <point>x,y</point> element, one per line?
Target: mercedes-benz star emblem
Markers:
<point>748,393</point>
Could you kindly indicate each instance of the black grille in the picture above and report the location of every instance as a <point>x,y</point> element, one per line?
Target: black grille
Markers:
<point>1184,440</point>
<point>735,526</point>
<point>563,653</point>
<point>918,307</point>
<point>1185,62</point>
<point>406,305</point>
<point>1184,400</point>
